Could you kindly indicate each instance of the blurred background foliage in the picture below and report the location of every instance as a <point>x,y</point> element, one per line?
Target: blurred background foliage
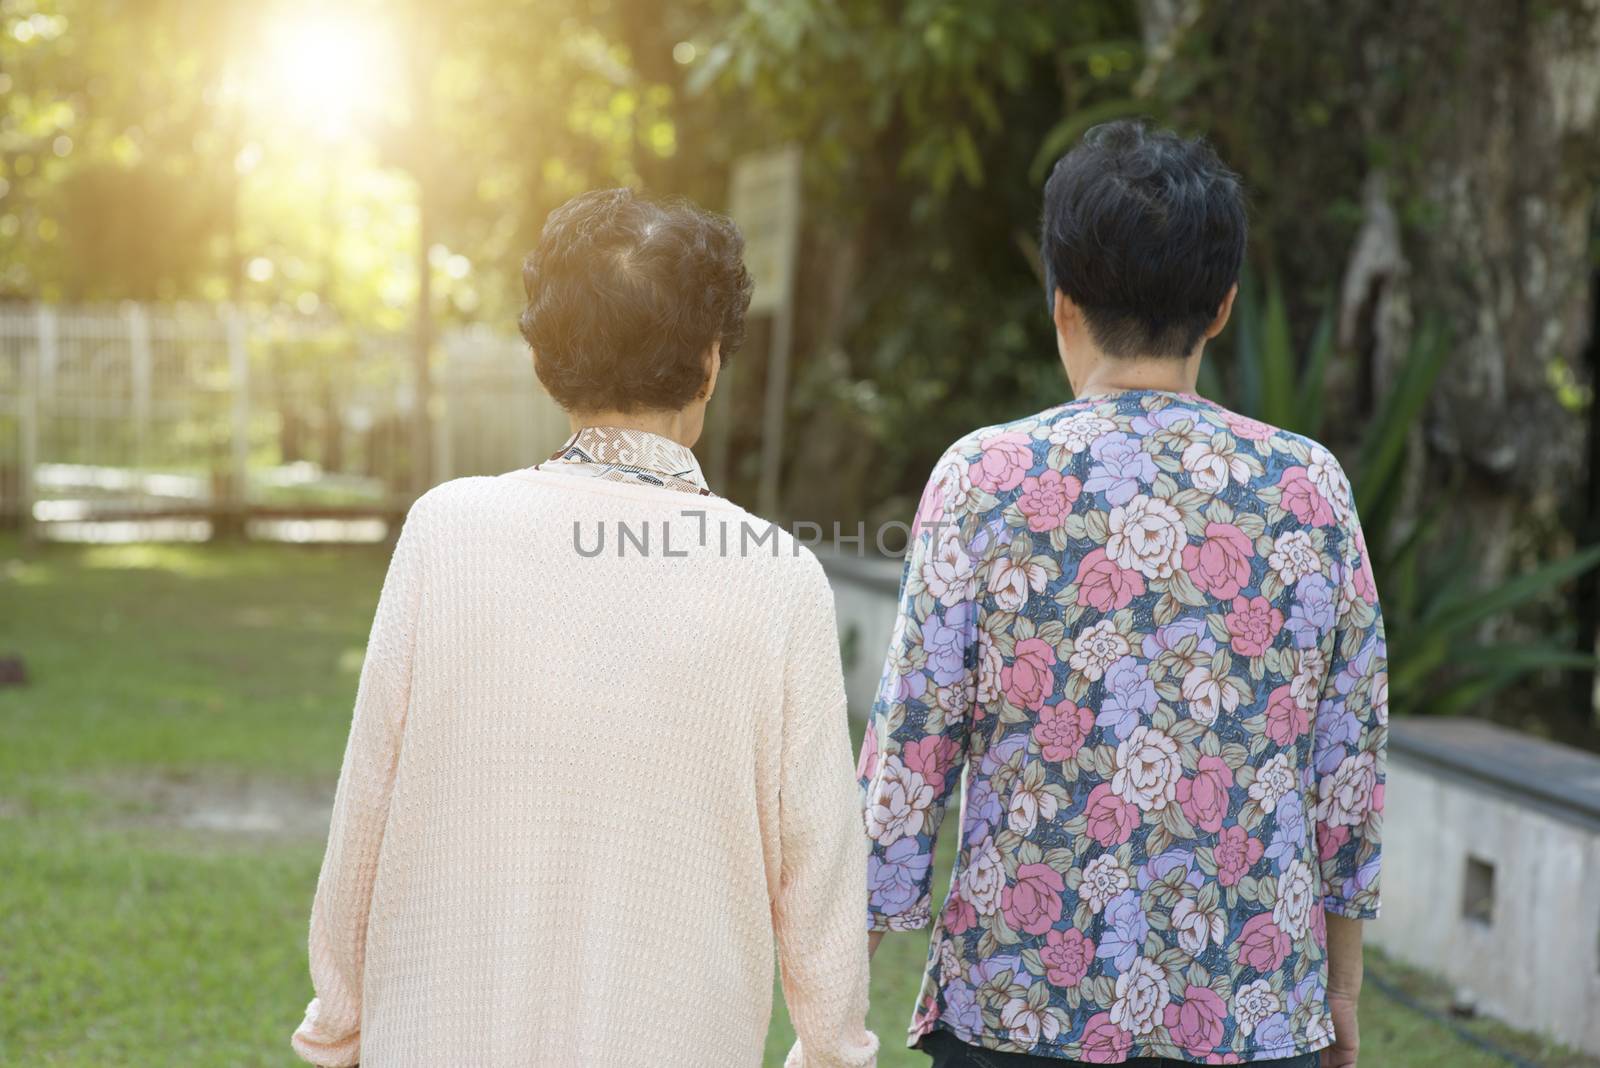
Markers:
<point>1423,208</point>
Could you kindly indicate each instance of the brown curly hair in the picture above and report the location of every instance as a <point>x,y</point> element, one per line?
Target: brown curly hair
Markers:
<point>625,296</point>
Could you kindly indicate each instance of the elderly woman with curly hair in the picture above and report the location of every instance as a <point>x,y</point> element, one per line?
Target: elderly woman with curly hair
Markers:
<point>599,762</point>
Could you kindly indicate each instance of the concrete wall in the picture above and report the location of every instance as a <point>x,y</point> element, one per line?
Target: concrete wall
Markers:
<point>865,595</point>
<point>1463,791</point>
<point>1463,795</point>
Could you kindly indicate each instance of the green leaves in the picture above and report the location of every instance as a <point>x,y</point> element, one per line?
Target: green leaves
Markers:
<point>1278,361</point>
<point>1269,379</point>
<point>1399,412</point>
<point>1475,606</point>
<point>948,77</point>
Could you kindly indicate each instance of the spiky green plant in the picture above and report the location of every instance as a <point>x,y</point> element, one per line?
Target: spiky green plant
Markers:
<point>1434,603</point>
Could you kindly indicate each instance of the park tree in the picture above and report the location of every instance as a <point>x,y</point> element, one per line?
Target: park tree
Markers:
<point>116,180</point>
<point>923,307</point>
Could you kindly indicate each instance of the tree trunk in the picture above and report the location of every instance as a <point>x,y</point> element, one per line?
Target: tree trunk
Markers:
<point>1505,172</point>
<point>1430,158</point>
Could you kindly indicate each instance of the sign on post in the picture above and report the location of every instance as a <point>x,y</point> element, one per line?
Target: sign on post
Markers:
<point>765,202</point>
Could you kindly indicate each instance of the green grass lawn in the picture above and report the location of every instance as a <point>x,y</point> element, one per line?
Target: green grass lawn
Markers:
<point>151,913</point>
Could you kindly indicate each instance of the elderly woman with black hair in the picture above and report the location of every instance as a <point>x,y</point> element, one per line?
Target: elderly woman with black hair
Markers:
<point>585,791</point>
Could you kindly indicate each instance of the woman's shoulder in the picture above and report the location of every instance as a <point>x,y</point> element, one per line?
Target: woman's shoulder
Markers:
<point>715,525</point>
<point>774,549</point>
<point>450,497</point>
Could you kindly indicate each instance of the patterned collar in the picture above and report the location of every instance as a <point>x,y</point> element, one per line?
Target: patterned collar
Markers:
<point>622,454</point>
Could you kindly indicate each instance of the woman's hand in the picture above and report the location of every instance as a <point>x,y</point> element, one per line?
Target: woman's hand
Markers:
<point>1347,1039</point>
<point>1344,988</point>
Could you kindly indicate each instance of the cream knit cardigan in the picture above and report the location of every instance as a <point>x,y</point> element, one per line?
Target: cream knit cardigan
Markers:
<point>582,796</point>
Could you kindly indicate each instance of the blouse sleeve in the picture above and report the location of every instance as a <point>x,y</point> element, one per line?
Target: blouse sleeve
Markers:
<point>331,1032</point>
<point>1351,737</point>
<point>916,744</point>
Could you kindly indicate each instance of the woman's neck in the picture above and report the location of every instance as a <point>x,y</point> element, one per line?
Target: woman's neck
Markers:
<point>1122,375</point>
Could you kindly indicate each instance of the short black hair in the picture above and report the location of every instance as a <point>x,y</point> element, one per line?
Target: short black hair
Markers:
<point>625,296</point>
<point>1145,232</point>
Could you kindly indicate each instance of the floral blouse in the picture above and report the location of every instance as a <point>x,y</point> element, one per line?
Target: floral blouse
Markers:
<point>1146,628</point>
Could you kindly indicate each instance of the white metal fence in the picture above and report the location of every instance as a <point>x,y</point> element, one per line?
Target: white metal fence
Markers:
<point>113,414</point>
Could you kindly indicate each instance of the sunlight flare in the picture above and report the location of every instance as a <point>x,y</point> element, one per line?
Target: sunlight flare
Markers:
<point>330,71</point>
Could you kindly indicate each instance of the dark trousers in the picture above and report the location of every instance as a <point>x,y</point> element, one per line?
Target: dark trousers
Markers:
<point>948,1051</point>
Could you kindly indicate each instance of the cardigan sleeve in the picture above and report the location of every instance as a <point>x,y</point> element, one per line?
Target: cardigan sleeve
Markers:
<point>822,950</point>
<point>331,1032</point>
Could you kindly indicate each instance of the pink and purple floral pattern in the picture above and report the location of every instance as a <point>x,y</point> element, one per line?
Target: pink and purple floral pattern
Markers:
<point>1146,629</point>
